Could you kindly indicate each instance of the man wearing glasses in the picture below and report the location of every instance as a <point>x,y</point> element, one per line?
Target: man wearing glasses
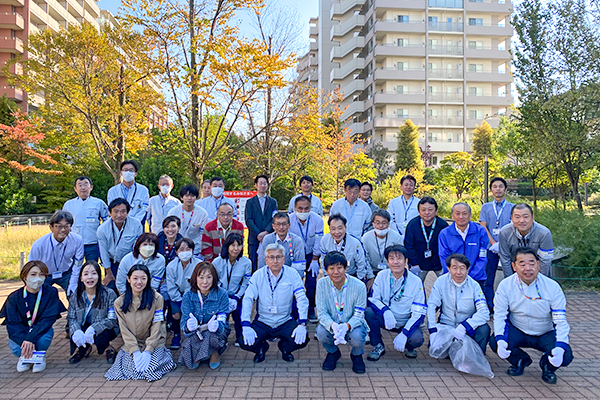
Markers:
<point>137,195</point>
<point>292,243</point>
<point>217,230</point>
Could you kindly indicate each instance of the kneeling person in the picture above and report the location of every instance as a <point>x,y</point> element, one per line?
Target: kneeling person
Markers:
<point>274,286</point>
<point>341,300</point>
<point>398,305</point>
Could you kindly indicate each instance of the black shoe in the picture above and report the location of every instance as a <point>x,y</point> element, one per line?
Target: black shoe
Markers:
<point>80,354</point>
<point>289,357</point>
<point>110,355</point>
<point>260,356</point>
<point>548,375</point>
<point>517,370</point>
<point>358,365</point>
<point>331,361</point>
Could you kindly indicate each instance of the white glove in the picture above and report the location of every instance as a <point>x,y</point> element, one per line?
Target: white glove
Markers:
<point>192,323</point>
<point>89,335</point>
<point>313,268</point>
<point>78,338</point>
<point>558,353</point>
<point>503,351</point>
<point>400,342</point>
<point>389,320</point>
<point>137,359</point>
<point>249,335</point>
<point>340,334</point>
<point>459,332</point>
<point>232,305</point>
<point>144,361</point>
<point>299,334</point>
<point>213,324</point>
<point>495,248</point>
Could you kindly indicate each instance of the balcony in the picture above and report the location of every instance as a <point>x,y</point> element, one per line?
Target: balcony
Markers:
<point>445,121</point>
<point>340,8</point>
<point>356,107</point>
<point>391,97</point>
<point>394,74</point>
<point>16,3</point>
<point>346,69</point>
<point>445,3</point>
<point>489,100</point>
<point>393,26</point>
<point>357,85</point>
<point>489,6</point>
<point>314,32</point>
<point>355,43</point>
<point>357,128</point>
<point>489,77</point>
<point>472,123</point>
<point>445,50</point>
<point>11,45</point>
<point>441,73</point>
<point>393,121</point>
<point>446,26</point>
<point>13,93</point>
<point>487,53</point>
<point>314,46</point>
<point>12,21</point>
<point>395,5</point>
<point>439,146</point>
<point>393,50</point>
<point>355,22</point>
<point>445,97</point>
<point>489,30</point>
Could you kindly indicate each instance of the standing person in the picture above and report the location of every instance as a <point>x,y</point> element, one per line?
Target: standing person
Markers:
<point>466,238</point>
<point>365,195</point>
<point>193,217</point>
<point>61,251</point>
<point>493,217</point>
<point>525,232</point>
<point>29,314</point>
<point>357,212</point>
<point>309,226</point>
<point>205,188</point>
<point>421,239</point>
<point>137,195</point>
<point>306,186</point>
<point>380,238</point>
<point>341,303</point>
<point>259,217</point>
<point>216,231</point>
<point>142,324</point>
<point>145,252</point>
<point>87,212</point>
<point>530,311</point>
<point>116,238</point>
<point>404,208</point>
<point>212,203</point>
<point>295,256</point>
<point>161,204</point>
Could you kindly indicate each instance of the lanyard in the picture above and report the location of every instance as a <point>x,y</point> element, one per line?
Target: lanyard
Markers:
<point>185,229</point>
<point>339,307</point>
<point>31,318</point>
<point>381,253</point>
<point>62,258</point>
<point>536,288</point>
<point>289,240</point>
<point>271,283</point>
<point>498,213</point>
<point>201,301</point>
<point>127,197</point>
<point>400,290</point>
<point>304,237</point>
<point>217,205</point>
<point>225,232</point>
<point>350,215</point>
<point>229,271</point>
<point>120,235</point>
<point>343,244</point>
<point>88,306</point>
<point>407,206</point>
<point>428,239</point>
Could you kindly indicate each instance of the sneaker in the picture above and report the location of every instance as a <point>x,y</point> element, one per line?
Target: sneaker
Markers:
<point>176,342</point>
<point>331,361</point>
<point>236,344</point>
<point>376,353</point>
<point>410,353</point>
<point>110,355</point>
<point>358,365</point>
<point>22,367</point>
<point>80,354</point>
<point>39,367</point>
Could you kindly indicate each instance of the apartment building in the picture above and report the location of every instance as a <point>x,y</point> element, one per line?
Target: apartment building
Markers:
<point>444,64</point>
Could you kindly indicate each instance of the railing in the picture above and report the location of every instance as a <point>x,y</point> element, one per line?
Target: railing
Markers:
<point>445,73</point>
<point>446,26</point>
<point>449,50</point>
<point>456,97</point>
<point>446,3</point>
<point>452,121</point>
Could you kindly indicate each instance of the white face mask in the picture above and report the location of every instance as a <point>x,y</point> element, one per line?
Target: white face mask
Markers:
<point>302,216</point>
<point>165,189</point>
<point>381,232</point>
<point>185,255</point>
<point>35,283</point>
<point>128,176</point>
<point>216,191</point>
<point>147,250</point>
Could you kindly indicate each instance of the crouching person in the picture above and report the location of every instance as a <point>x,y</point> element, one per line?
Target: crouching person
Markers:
<point>461,301</point>
<point>398,305</point>
<point>274,287</point>
<point>341,300</point>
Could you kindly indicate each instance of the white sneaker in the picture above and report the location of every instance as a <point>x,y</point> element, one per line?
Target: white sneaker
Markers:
<point>22,367</point>
<point>236,344</point>
<point>39,367</point>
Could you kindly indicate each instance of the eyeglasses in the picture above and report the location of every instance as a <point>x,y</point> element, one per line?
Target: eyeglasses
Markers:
<point>274,258</point>
<point>128,170</point>
<point>280,224</point>
<point>62,227</point>
<point>225,214</point>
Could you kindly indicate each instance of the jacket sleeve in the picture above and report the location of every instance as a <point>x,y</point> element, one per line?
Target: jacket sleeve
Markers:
<point>393,224</point>
<point>158,329</point>
<point>376,299</point>
<point>484,242</point>
<point>362,270</point>
<point>16,328</point>
<point>72,314</point>
<point>482,312</point>
<point>187,308</point>
<point>111,319</point>
<point>103,211</point>
<point>291,205</point>
<point>504,254</point>
<point>409,243</point>
<point>245,281</point>
<point>299,261</point>
<point>129,339</point>
<point>443,248</point>
<point>358,316</point>
<point>260,255</point>
<point>47,317</point>
<point>367,220</point>
<point>546,253</point>
<point>249,216</point>
<point>501,317</point>
<point>559,318</point>
<point>103,246</point>
<point>77,262</point>
<point>318,237</point>
<point>269,227</point>
<point>321,303</point>
<point>434,303</point>
<point>250,295</point>
<point>418,310</point>
<point>301,299</point>
<point>207,249</point>
<point>121,278</point>
<point>222,310</point>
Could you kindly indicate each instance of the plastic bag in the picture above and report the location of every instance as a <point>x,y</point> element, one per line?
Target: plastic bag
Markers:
<point>467,357</point>
<point>441,341</point>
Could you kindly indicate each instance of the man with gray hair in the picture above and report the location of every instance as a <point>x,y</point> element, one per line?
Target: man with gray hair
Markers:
<point>467,238</point>
<point>161,204</point>
<point>274,288</point>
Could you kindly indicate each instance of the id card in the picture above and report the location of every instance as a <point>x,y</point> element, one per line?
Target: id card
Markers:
<point>382,266</point>
<point>91,220</point>
<point>37,357</point>
<point>405,224</point>
<point>427,254</point>
<point>56,275</point>
<point>495,231</point>
<point>272,309</point>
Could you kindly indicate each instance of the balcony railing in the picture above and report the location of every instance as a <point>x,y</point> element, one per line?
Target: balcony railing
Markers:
<point>446,3</point>
<point>445,121</point>
<point>447,50</point>
<point>445,73</point>
<point>455,97</point>
<point>446,26</point>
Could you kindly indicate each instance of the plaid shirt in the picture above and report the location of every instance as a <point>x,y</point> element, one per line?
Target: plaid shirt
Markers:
<point>102,318</point>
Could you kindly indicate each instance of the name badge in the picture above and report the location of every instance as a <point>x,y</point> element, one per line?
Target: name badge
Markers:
<point>382,266</point>
<point>36,357</point>
<point>272,309</point>
<point>495,231</point>
<point>56,275</point>
<point>482,253</point>
<point>91,220</point>
<point>427,254</point>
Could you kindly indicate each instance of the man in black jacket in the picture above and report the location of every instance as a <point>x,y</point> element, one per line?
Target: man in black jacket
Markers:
<point>259,216</point>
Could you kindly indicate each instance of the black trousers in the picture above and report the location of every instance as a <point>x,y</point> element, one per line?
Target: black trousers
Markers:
<point>265,332</point>
<point>101,340</point>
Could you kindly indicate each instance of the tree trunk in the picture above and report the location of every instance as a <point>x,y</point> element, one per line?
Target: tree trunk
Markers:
<point>534,192</point>
<point>197,171</point>
<point>574,181</point>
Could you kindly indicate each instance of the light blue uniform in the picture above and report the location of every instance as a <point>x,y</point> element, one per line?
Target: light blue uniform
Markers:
<point>358,215</point>
<point>87,215</point>
<point>210,205</point>
<point>295,255</point>
<point>316,205</point>
<point>137,196</point>
<point>158,210</point>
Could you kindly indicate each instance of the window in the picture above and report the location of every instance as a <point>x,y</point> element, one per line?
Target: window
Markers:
<point>432,89</point>
<point>475,67</point>
<point>400,89</point>
<point>402,113</point>
<point>401,66</point>
<point>402,42</point>
<point>432,113</point>
<point>433,21</point>
<point>475,44</point>
<point>434,160</point>
<point>403,19</point>
<point>476,114</point>
<point>475,91</point>
<point>476,21</point>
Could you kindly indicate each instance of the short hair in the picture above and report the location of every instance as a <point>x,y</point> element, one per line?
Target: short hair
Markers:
<point>231,239</point>
<point>305,178</point>
<point>301,198</point>
<point>205,181</point>
<point>261,176</point>
<point>167,177</point>
<point>216,179</point>
<point>524,250</point>
<point>461,203</point>
<point>282,215</point>
<point>351,183</point>
<point>146,236</point>
<point>397,248</point>
<point>117,202</point>
<point>334,258</point>
<point>169,219</point>
<point>132,162</point>
<point>28,267</point>
<point>498,179</point>
<point>366,184</point>
<point>338,217</point>
<point>461,258</point>
<point>59,216</point>
<point>190,243</point>
<point>381,213</point>
<point>521,206</point>
<point>274,246</point>
<point>200,268</point>
<point>189,189</point>
<point>83,178</point>
<point>225,204</point>
<point>427,200</point>
<point>410,178</point>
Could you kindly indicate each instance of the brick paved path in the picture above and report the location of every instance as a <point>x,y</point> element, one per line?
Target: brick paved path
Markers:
<point>393,377</point>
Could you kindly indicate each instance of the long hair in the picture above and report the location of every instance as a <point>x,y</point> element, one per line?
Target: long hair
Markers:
<point>99,287</point>
<point>147,293</point>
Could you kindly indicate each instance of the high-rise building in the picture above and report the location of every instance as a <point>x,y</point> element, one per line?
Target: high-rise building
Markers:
<point>444,64</point>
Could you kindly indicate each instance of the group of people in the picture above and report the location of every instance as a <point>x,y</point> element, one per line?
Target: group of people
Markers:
<point>189,275</point>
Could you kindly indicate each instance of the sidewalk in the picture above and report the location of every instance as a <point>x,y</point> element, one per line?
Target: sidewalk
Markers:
<point>393,377</point>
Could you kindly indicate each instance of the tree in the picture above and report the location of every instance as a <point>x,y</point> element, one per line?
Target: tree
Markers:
<point>482,140</point>
<point>461,173</point>
<point>408,152</point>
<point>379,154</point>
<point>391,187</point>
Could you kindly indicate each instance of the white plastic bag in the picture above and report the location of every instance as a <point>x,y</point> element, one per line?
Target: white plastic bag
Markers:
<point>467,357</point>
<point>441,341</point>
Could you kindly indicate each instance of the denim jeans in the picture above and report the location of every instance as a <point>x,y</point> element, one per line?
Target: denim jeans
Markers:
<point>376,323</point>
<point>356,339</point>
<point>42,344</point>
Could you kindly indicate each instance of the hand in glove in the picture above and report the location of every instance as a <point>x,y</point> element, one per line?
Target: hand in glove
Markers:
<point>459,332</point>
<point>558,354</point>
<point>137,360</point>
<point>503,351</point>
<point>313,268</point>
<point>340,334</point>
<point>213,324</point>
<point>249,335</point>
<point>144,361</point>
<point>299,334</point>
<point>400,342</point>
<point>78,338</point>
<point>389,320</point>
<point>89,335</point>
<point>233,305</point>
<point>192,323</point>
<point>495,248</point>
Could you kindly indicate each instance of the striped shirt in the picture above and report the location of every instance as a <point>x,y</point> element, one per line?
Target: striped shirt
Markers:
<point>214,236</point>
<point>355,302</point>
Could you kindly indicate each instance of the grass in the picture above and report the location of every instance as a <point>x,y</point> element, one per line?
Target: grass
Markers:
<point>12,242</point>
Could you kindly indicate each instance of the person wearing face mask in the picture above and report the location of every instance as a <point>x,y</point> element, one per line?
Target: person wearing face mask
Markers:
<point>403,208</point>
<point>378,239</point>
<point>204,319</point>
<point>29,314</point>
<point>260,210</point>
<point>142,323</point>
<point>87,212</point>
<point>212,203</point>
<point>234,272</point>
<point>461,302</point>
<point>193,217</point>
<point>306,186</point>
<point>293,244</point>
<point>91,317</point>
<point>145,252</point>
<point>178,276</point>
<point>216,231</point>
<point>309,226</point>
<point>137,195</point>
<point>357,212</point>
<point>366,189</point>
<point>161,204</point>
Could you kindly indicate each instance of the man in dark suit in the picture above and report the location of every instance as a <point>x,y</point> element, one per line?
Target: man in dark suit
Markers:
<point>259,216</point>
